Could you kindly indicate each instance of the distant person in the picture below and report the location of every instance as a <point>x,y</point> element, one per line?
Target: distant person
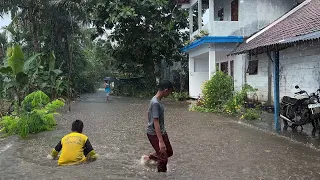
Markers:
<point>156,131</point>
<point>107,88</point>
<point>75,147</point>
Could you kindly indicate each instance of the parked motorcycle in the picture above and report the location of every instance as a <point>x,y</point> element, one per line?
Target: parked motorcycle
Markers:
<point>301,110</point>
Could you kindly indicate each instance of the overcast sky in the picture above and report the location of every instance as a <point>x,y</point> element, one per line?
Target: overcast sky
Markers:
<point>4,21</point>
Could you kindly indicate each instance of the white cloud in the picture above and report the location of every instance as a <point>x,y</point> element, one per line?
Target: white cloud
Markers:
<point>205,17</point>
<point>5,21</point>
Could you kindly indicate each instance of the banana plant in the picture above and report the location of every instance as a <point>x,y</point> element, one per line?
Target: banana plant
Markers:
<point>14,72</point>
<point>44,76</point>
<point>53,77</point>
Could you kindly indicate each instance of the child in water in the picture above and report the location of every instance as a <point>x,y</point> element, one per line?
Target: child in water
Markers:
<point>75,147</point>
<point>107,89</point>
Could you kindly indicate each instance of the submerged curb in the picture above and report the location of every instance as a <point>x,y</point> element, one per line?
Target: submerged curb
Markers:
<point>309,145</point>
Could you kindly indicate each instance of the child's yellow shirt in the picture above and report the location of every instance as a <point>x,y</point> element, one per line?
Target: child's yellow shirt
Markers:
<point>73,147</point>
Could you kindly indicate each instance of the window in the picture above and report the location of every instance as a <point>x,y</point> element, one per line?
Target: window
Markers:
<point>253,67</point>
<point>224,67</point>
<point>232,68</point>
<point>217,66</point>
<point>220,14</point>
<point>235,10</point>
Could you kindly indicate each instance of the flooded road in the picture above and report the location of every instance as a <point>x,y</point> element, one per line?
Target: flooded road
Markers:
<point>206,146</point>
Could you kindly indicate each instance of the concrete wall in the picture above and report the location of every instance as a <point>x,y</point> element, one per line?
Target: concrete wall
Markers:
<point>239,67</point>
<point>270,10</point>
<point>198,74</point>
<point>299,65</point>
<point>253,16</point>
<point>256,14</point>
<point>260,80</point>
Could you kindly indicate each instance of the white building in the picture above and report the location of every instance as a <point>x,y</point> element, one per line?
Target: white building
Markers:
<point>296,36</point>
<point>230,22</point>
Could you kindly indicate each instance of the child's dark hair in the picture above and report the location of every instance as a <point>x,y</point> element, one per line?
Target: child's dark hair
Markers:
<point>77,126</point>
<point>165,85</point>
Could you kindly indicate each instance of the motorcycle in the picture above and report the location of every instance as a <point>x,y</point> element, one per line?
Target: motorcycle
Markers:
<point>301,110</point>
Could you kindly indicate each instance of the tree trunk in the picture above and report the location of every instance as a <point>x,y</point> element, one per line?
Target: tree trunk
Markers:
<point>69,42</point>
<point>33,21</point>
<point>150,77</point>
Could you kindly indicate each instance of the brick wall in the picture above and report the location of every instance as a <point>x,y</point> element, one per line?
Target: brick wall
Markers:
<point>299,65</point>
<point>260,80</point>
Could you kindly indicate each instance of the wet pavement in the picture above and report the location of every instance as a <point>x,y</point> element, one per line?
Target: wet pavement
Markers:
<point>304,136</point>
<point>206,146</point>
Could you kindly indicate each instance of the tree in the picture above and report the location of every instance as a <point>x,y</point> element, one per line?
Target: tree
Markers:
<point>3,44</point>
<point>57,28</point>
<point>145,33</point>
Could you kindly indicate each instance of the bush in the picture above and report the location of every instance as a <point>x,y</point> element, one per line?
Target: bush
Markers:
<point>250,114</point>
<point>237,102</point>
<point>217,91</point>
<point>179,96</point>
<point>218,96</point>
<point>201,109</point>
<point>37,114</point>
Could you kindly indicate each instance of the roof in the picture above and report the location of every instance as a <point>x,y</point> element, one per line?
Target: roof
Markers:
<point>301,23</point>
<point>310,36</point>
<point>213,39</point>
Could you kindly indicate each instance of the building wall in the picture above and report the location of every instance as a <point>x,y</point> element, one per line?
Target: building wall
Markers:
<point>198,74</point>
<point>253,16</point>
<point>239,67</point>
<point>270,10</point>
<point>256,14</point>
<point>259,80</point>
<point>299,65</point>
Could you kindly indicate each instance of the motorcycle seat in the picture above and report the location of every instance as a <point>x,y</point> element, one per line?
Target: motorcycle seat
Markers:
<point>289,100</point>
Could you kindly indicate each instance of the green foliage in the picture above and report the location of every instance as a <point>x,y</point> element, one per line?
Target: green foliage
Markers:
<point>9,124</point>
<point>37,114</point>
<point>202,33</point>
<point>250,114</point>
<point>15,80</point>
<point>197,108</point>
<point>217,91</point>
<point>52,26</point>
<point>218,96</point>
<point>35,100</point>
<point>234,105</point>
<point>16,60</point>
<point>146,33</point>
<point>179,96</point>
<point>26,75</point>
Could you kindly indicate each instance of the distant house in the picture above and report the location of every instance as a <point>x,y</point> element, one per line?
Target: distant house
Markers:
<point>230,23</point>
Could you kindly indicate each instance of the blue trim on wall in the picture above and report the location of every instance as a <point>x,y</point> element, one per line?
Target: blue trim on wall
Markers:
<point>213,39</point>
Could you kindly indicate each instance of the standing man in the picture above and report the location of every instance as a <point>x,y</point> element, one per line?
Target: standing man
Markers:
<point>156,131</point>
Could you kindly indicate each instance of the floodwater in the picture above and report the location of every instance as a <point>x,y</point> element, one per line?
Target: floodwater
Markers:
<point>206,146</point>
